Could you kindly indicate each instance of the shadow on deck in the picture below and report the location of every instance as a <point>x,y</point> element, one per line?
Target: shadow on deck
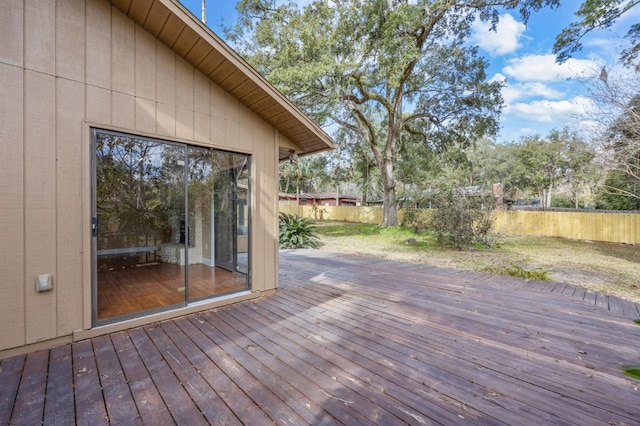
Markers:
<point>351,340</point>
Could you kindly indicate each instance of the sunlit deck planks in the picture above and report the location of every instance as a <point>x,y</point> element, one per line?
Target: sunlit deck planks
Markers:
<point>351,340</point>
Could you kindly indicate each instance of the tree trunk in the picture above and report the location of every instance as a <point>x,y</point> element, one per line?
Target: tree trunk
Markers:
<point>389,209</point>
<point>364,193</point>
<point>389,206</point>
<point>541,196</point>
<point>286,187</point>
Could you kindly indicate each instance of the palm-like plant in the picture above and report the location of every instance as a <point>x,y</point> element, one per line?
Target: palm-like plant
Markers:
<point>297,232</point>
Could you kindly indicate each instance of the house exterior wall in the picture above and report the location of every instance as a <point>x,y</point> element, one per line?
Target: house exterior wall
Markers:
<point>308,201</point>
<point>328,201</point>
<point>319,201</point>
<point>68,65</point>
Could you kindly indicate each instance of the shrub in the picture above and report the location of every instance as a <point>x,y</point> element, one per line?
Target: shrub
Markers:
<point>417,219</point>
<point>297,232</point>
<point>461,221</point>
<point>562,201</point>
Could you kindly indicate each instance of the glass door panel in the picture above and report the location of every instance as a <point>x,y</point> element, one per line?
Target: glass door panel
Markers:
<point>170,225</point>
<point>231,211</point>
<point>242,218</point>
<point>212,253</point>
<point>139,224</point>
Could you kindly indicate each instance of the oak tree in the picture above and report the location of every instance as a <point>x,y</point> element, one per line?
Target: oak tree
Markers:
<point>382,70</point>
<point>594,15</point>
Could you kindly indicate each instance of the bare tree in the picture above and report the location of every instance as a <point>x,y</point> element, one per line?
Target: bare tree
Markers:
<point>616,95</point>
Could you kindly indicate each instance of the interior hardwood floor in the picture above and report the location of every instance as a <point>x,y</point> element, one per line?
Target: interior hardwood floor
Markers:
<point>131,290</point>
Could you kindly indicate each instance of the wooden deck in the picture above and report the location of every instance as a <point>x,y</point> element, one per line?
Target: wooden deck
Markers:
<point>351,340</point>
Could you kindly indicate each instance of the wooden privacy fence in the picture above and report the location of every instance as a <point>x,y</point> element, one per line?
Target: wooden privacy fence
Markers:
<point>578,225</point>
<point>338,213</point>
<point>575,225</point>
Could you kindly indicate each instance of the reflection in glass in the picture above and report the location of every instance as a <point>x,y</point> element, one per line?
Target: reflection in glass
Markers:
<point>214,178</point>
<point>155,245</point>
<point>139,206</point>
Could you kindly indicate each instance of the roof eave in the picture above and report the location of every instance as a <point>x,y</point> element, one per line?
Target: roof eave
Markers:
<point>174,25</point>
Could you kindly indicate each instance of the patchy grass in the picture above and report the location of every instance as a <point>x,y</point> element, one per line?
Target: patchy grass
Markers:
<point>608,267</point>
<point>520,272</point>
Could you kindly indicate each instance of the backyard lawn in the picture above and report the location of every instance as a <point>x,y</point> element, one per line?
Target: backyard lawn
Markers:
<point>611,268</point>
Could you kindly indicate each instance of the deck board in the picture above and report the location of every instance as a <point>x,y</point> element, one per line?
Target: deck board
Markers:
<point>29,406</point>
<point>375,367</point>
<point>400,351</point>
<point>220,371</point>
<point>290,385</point>
<point>119,402</point>
<point>89,401</point>
<point>11,373</point>
<point>180,405</point>
<point>355,326</point>
<point>351,340</point>
<point>204,396</point>
<point>259,379</point>
<point>59,406</point>
<point>321,374</point>
<point>148,401</point>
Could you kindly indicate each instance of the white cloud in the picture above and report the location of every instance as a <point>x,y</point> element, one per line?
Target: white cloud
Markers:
<point>498,77</point>
<point>515,91</point>
<point>545,68</point>
<point>528,131</point>
<point>502,41</point>
<point>541,89</point>
<point>545,111</point>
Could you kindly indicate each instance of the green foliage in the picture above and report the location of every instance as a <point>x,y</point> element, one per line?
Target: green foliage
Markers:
<point>620,192</point>
<point>562,201</point>
<point>566,202</point>
<point>490,162</point>
<point>461,220</point>
<point>621,189</point>
<point>515,270</point>
<point>385,72</point>
<point>417,219</point>
<point>297,232</point>
<point>308,174</point>
<point>543,164</point>
<point>596,15</point>
<point>547,162</point>
<point>533,167</point>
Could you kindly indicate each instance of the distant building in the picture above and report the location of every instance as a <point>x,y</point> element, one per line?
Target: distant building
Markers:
<point>323,199</point>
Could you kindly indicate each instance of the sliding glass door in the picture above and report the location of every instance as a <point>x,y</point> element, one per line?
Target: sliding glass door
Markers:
<point>230,209</point>
<point>217,186</point>
<point>170,224</point>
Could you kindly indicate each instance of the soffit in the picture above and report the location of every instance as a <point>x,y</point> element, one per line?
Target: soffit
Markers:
<point>171,23</point>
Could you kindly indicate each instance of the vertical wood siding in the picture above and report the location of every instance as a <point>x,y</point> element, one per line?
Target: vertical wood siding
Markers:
<point>68,64</point>
<point>11,205</point>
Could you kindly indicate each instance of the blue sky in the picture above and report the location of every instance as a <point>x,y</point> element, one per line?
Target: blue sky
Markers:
<point>539,95</point>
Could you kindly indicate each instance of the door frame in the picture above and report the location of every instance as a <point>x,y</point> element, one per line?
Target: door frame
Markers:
<point>94,232</point>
